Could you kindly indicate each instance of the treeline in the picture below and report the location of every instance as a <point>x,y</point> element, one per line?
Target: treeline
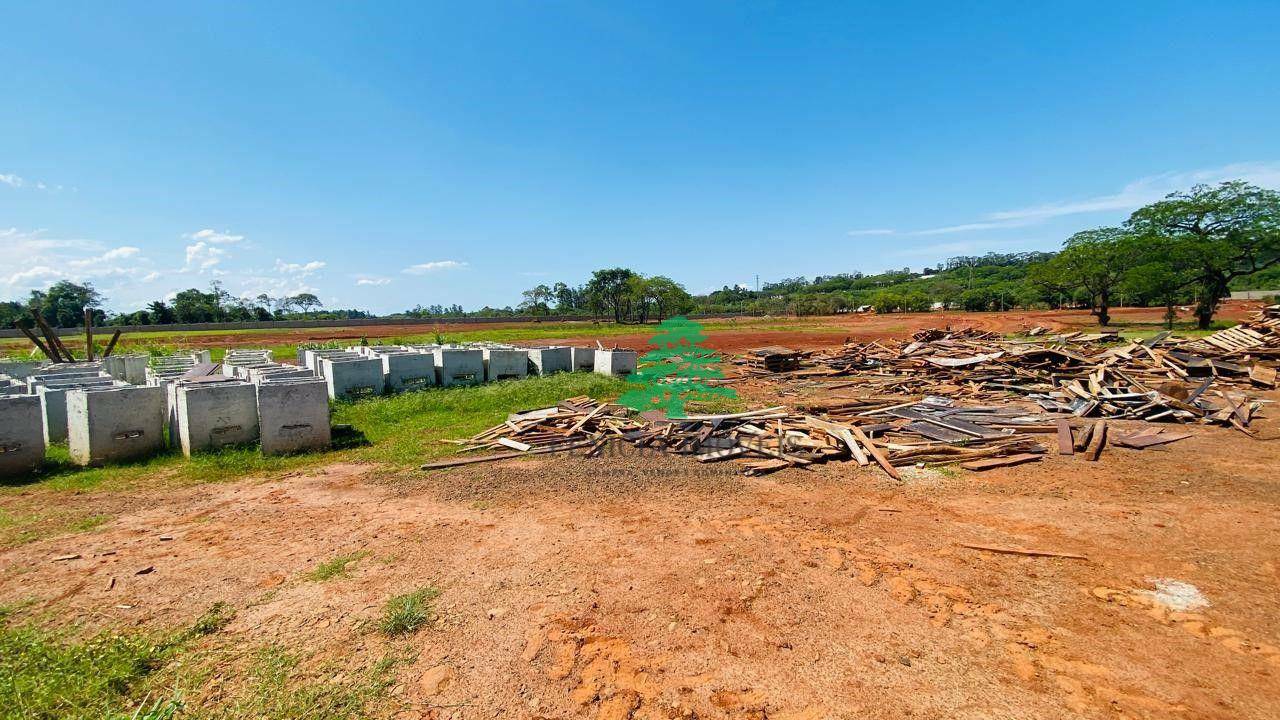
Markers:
<point>1193,247</point>
<point>64,303</point>
<point>620,294</point>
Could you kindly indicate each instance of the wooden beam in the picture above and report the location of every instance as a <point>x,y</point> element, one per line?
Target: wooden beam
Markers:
<point>111,345</point>
<point>1066,443</point>
<point>51,337</point>
<point>1019,551</point>
<point>504,455</point>
<point>875,452</point>
<point>36,341</point>
<point>88,334</point>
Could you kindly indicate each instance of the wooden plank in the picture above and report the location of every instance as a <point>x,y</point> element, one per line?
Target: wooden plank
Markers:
<point>1138,442</point>
<point>1097,442</point>
<point>111,345</point>
<point>1022,551</point>
<point>997,462</point>
<point>503,456</point>
<point>514,444</point>
<point>88,334</point>
<point>716,455</point>
<point>1262,376</point>
<point>875,453</point>
<point>1066,443</point>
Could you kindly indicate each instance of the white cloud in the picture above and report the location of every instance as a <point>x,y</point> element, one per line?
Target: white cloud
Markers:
<point>1132,196</point>
<point>372,280</point>
<point>871,231</point>
<point>300,269</point>
<point>430,267</point>
<point>214,237</point>
<point>202,257</point>
<point>15,180</point>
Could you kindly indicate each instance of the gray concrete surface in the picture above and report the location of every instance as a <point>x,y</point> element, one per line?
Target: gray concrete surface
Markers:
<point>22,443</point>
<point>213,414</point>
<point>111,424</point>
<point>293,416</point>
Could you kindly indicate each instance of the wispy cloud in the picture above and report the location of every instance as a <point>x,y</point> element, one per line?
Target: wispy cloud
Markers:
<point>203,257</point>
<point>46,260</point>
<point>433,266</point>
<point>372,280</point>
<point>214,237</point>
<point>15,180</point>
<point>871,231</point>
<point>299,269</point>
<point>1132,196</point>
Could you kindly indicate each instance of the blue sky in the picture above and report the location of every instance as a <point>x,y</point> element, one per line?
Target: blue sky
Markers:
<point>388,154</point>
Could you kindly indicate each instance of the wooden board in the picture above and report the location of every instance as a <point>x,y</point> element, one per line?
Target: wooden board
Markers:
<point>1066,443</point>
<point>997,462</point>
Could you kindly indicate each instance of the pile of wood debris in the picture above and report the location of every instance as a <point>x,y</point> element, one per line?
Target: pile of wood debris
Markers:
<point>1099,375</point>
<point>934,431</point>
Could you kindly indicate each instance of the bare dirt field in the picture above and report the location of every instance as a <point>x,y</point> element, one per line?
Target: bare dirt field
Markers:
<point>728,334</point>
<point>648,586</point>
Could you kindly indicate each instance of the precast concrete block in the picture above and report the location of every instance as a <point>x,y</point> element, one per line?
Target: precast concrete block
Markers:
<point>22,443</point>
<point>349,378</point>
<point>459,366</point>
<point>505,364</point>
<point>20,369</point>
<point>119,423</point>
<point>550,360</point>
<point>407,370</point>
<point>126,368</point>
<point>53,404</point>
<point>214,414</point>
<point>615,362</point>
<point>278,372</point>
<point>584,359</point>
<point>312,358</point>
<point>293,415</point>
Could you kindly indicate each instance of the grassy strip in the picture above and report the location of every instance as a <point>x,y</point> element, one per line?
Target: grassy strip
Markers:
<point>399,431</point>
<point>47,674</point>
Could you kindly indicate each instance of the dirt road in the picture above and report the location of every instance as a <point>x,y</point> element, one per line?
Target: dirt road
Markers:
<point>647,587</point>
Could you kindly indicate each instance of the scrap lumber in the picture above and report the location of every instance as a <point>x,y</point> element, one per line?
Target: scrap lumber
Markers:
<point>1066,443</point>
<point>1022,551</point>
<point>998,462</point>
<point>501,456</point>
<point>1097,441</point>
<point>875,453</point>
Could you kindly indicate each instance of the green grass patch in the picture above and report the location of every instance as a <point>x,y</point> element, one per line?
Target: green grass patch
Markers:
<point>399,431</point>
<point>129,675</point>
<point>336,567</point>
<point>405,614</point>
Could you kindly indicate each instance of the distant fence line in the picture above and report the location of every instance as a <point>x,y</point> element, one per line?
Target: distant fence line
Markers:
<point>352,322</point>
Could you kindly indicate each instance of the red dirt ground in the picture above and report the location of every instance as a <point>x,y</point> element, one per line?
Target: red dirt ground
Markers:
<point>653,587</point>
<point>811,332</point>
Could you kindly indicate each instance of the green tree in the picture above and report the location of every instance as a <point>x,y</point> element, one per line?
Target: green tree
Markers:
<point>161,313</point>
<point>1219,233</point>
<point>676,371</point>
<point>305,302</point>
<point>64,303</point>
<point>536,300</point>
<point>611,290</point>
<point>10,313</point>
<point>1096,261</point>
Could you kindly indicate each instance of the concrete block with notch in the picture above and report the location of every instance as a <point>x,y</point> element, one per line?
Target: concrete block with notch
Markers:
<point>616,362</point>
<point>550,360</point>
<point>505,364</point>
<point>293,416</point>
<point>20,369</point>
<point>22,443</point>
<point>584,359</point>
<point>459,366</point>
<point>352,378</point>
<point>127,368</point>
<point>213,414</point>
<point>53,403</point>
<point>119,423</point>
<point>407,370</point>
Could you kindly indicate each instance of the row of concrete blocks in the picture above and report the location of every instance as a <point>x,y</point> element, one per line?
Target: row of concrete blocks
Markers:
<point>131,369</point>
<point>373,370</point>
<point>125,421</point>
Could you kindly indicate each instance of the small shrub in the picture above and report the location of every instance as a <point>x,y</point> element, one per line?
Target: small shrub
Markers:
<point>405,614</point>
<point>336,567</point>
<point>212,620</point>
